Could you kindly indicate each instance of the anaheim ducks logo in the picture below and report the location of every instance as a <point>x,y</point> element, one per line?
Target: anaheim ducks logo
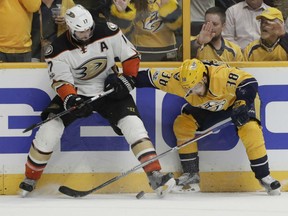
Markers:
<point>71,14</point>
<point>153,22</point>
<point>91,68</point>
<point>48,50</point>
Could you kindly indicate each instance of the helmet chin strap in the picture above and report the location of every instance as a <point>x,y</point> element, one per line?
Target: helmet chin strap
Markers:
<point>79,41</point>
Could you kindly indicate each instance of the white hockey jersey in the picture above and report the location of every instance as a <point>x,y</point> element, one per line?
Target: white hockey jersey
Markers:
<point>87,67</point>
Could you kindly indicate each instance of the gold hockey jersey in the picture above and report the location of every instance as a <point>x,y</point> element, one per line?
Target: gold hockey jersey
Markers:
<point>256,51</point>
<point>221,94</point>
<point>151,31</point>
<point>229,51</point>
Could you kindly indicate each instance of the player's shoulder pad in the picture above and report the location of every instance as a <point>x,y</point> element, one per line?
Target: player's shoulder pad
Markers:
<point>104,29</point>
<point>113,27</point>
<point>59,45</point>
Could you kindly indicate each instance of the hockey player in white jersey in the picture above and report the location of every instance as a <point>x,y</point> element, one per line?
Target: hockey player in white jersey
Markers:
<point>81,64</point>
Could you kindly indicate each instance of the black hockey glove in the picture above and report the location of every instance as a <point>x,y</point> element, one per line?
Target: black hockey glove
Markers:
<point>240,115</point>
<point>82,110</point>
<point>122,85</point>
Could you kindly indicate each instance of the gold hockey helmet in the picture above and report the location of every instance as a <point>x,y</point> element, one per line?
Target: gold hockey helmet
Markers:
<point>191,73</point>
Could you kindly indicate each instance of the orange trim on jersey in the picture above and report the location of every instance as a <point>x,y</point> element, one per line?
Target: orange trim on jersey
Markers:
<point>131,67</point>
<point>65,90</point>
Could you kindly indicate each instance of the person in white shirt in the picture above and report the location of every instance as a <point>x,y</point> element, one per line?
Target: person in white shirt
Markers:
<point>239,31</point>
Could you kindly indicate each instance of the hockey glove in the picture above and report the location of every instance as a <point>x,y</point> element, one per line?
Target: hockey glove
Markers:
<point>82,110</point>
<point>122,85</point>
<point>240,115</point>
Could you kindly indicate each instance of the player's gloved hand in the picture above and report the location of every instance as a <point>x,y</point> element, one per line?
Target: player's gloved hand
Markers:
<point>240,115</point>
<point>122,85</point>
<point>82,110</point>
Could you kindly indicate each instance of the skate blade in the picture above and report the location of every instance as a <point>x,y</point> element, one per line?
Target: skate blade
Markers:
<point>275,192</point>
<point>24,193</point>
<point>190,188</point>
<point>163,190</point>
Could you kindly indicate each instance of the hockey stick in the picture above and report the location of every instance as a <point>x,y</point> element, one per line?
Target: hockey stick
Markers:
<point>75,193</point>
<point>68,110</point>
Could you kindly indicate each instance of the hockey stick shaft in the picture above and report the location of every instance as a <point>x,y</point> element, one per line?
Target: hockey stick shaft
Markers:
<point>75,193</point>
<point>68,110</point>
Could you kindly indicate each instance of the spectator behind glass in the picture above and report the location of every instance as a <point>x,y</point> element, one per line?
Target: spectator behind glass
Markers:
<point>226,3</point>
<point>46,26</point>
<point>209,44</point>
<point>150,25</point>
<point>15,25</point>
<point>273,44</point>
<point>241,24</point>
<point>197,13</point>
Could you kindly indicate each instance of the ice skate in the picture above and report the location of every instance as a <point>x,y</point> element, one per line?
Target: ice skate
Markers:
<point>160,183</point>
<point>27,186</point>
<point>187,183</point>
<point>271,185</point>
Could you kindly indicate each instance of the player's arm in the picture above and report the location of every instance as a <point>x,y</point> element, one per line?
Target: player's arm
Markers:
<point>245,95</point>
<point>61,78</point>
<point>127,53</point>
<point>247,90</point>
<point>131,65</point>
<point>144,79</point>
<point>130,59</point>
<point>165,80</point>
<point>63,85</point>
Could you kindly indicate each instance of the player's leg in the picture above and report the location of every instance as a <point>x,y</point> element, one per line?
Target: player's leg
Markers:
<point>253,140</point>
<point>48,135</point>
<point>184,128</point>
<point>252,137</point>
<point>125,119</point>
<point>40,152</point>
<point>192,119</point>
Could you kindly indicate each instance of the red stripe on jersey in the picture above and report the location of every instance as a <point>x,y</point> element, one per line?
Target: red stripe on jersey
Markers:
<point>65,90</point>
<point>131,67</point>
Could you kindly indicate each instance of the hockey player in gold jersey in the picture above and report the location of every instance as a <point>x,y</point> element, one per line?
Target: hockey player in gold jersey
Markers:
<point>213,93</point>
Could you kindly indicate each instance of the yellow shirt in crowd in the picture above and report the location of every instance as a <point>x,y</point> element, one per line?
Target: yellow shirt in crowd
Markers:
<point>15,25</point>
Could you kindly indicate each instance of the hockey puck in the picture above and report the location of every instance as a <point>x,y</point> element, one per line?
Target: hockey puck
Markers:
<point>140,195</point>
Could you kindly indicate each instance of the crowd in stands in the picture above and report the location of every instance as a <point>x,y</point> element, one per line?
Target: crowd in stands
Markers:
<point>155,28</point>
<point>80,68</point>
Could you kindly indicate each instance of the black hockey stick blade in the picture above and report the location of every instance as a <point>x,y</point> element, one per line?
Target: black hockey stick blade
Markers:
<point>76,193</point>
<point>67,111</point>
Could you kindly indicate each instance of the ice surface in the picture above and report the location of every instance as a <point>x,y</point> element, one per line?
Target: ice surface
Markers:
<point>44,203</point>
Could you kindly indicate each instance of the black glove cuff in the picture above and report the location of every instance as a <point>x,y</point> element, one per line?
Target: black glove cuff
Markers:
<point>66,100</point>
<point>129,85</point>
